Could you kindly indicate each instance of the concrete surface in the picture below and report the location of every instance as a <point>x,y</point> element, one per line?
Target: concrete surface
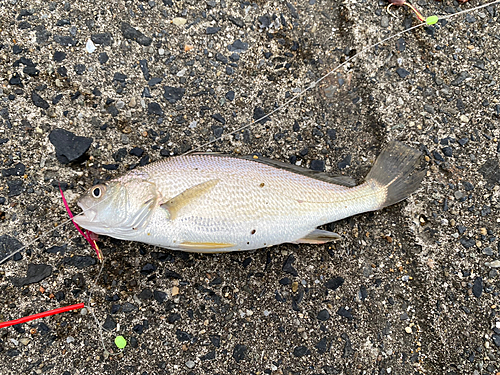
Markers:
<point>418,295</point>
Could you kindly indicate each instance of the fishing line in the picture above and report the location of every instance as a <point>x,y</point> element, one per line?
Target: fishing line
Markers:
<point>43,235</point>
<point>429,21</point>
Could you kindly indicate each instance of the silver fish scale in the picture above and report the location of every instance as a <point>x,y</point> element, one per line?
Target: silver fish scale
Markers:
<point>253,205</point>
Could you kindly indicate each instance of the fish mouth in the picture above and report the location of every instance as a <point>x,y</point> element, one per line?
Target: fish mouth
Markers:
<point>85,219</point>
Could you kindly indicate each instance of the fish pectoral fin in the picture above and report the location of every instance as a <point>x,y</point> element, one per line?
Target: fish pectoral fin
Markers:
<point>319,236</point>
<point>203,246</point>
<point>187,196</point>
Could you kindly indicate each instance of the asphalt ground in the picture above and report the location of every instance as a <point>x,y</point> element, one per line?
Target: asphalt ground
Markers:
<point>410,289</point>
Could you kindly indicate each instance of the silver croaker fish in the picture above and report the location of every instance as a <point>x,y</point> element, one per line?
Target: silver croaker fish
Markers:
<point>218,203</point>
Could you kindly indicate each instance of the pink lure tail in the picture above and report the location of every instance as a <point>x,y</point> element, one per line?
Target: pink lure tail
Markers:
<point>89,236</point>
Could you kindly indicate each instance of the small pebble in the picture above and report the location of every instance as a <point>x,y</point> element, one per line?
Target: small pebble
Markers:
<point>179,21</point>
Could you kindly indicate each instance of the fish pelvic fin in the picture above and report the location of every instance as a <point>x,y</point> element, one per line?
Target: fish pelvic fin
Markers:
<point>395,172</point>
<point>318,237</point>
<point>187,196</point>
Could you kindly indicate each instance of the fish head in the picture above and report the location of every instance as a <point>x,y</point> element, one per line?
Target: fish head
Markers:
<point>119,208</point>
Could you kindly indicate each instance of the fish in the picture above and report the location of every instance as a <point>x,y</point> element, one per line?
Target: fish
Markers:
<point>212,203</point>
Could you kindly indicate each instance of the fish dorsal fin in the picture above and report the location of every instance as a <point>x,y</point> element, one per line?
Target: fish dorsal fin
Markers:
<point>322,176</point>
<point>187,196</point>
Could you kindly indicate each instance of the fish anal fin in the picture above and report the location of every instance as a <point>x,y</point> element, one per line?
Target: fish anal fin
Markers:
<point>203,246</point>
<point>187,196</point>
<point>318,237</point>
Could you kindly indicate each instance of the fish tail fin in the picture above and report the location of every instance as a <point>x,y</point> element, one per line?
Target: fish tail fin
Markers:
<point>395,172</point>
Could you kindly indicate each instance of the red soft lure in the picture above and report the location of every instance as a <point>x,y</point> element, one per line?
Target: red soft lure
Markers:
<point>91,237</point>
<point>41,315</point>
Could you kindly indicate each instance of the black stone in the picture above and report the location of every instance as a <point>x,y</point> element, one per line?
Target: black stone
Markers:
<point>230,95</point>
<point>403,73</point>
<point>145,294</point>
<point>120,155</point>
<point>322,346</point>
<point>215,340</point>
<point>335,283</point>
<point>212,30</point>
<point>105,39</point>
<point>160,296</point>
<point>63,22</point>
<point>80,261</point>
<point>64,41</point>
<point>258,113</point>
<point>127,307</point>
<point>138,328</point>
<point>136,151</point>
<point>459,79</point>
<point>154,109</point>
<point>238,46</point>
<point>169,274</point>
<point>62,71</point>
<point>154,81</point>
<point>437,156</point>
<point>129,32</point>
<point>56,99</point>
<point>400,44</point>
<point>218,117</point>
<point>112,110</point>
<point>317,165</point>
<point>287,266</point>
<point>345,162</point>
<point>301,351</point>
<point>148,269</point>
<point>31,71</point>
<point>477,288</point>
<point>69,147</point>
<point>447,151</point>
<point>239,352</point>
<point>8,245</point>
<point>119,77</point>
<point>15,80</point>
<point>35,274</point>
<point>59,56</point>
<point>17,170</point>
<point>236,20</point>
<point>467,242</point>
<point>109,324</point>
<point>323,315</point>
<point>39,101</point>
<point>103,58</point>
<point>57,249</point>
<point>173,94</point>
<point>208,356</point>
<point>468,186</point>
<point>218,131</point>
<point>110,167</point>
<point>182,336</point>
<point>345,313</point>
<point>15,188</point>
<point>220,57</point>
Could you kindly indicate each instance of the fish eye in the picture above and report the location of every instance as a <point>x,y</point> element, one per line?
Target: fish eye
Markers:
<point>98,191</point>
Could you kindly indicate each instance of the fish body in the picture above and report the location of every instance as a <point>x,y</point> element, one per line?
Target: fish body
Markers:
<point>217,203</point>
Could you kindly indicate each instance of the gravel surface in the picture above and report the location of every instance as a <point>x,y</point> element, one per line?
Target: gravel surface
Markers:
<point>409,289</point>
